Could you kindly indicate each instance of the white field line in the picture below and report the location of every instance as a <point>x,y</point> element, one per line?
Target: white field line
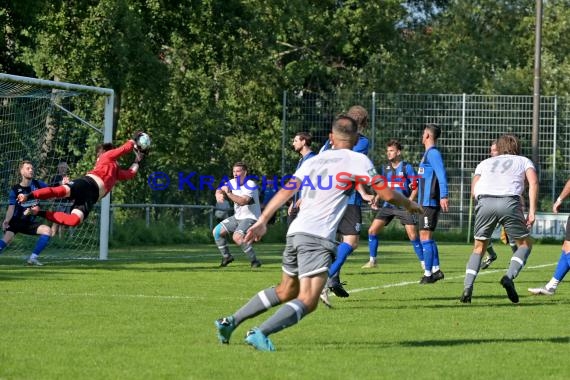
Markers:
<point>405,283</point>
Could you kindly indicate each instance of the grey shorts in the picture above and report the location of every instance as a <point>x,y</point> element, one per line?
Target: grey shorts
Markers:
<point>240,226</point>
<point>387,214</point>
<point>307,255</point>
<point>506,211</point>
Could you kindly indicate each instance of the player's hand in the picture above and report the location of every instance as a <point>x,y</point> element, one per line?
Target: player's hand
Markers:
<point>444,203</point>
<point>138,155</point>
<point>529,220</point>
<point>219,196</point>
<point>225,189</point>
<point>556,206</point>
<point>5,225</point>
<point>22,198</point>
<point>255,232</point>
<point>65,180</point>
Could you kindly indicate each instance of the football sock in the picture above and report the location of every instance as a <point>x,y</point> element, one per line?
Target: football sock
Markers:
<point>418,249</point>
<point>59,217</point>
<point>517,262</point>
<point>491,250</point>
<point>562,267</point>
<point>342,252</point>
<point>287,315</point>
<point>49,192</point>
<point>221,242</point>
<point>435,263</point>
<point>373,246</point>
<point>247,248</point>
<point>427,247</point>
<point>472,270</point>
<point>40,245</point>
<point>2,245</point>
<point>261,302</point>
<point>552,284</point>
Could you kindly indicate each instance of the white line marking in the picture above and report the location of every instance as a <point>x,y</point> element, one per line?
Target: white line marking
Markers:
<point>481,273</point>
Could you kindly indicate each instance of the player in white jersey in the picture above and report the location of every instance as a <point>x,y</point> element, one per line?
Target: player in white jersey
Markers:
<point>491,255</point>
<point>244,193</point>
<point>497,186</point>
<point>310,245</point>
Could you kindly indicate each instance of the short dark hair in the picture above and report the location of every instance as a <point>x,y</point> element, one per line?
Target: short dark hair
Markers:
<point>241,164</point>
<point>104,147</point>
<point>24,162</point>
<point>395,143</point>
<point>346,128</point>
<point>434,129</point>
<point>306,137</point>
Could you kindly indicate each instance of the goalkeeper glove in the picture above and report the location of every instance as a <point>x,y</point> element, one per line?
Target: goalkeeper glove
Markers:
<point>138,155</point>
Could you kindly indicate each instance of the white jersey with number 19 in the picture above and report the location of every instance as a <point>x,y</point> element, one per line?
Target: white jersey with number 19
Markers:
<point>502,175</point>
<point>324,182</point>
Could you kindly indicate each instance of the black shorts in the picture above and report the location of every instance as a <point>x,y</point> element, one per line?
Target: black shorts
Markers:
<point>23,226</point>
<point>387,214</point>
<point>351,221</point>
<point>430,218</point>
<point>85,193</point>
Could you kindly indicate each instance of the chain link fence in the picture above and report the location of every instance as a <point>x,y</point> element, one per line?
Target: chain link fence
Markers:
<point>469,123</point>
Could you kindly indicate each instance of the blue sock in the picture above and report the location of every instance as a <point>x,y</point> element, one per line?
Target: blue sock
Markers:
<point>41,244</point>
<point>418,249</point>
<point>2,245</point>
<point>373,245</point>
<point>435,253</point>
<point>342,252</point>
<point>563,266</point>
<point>428,253</point>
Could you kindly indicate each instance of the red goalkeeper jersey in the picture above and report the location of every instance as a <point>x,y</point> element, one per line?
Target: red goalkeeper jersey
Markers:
<point>109,170</point>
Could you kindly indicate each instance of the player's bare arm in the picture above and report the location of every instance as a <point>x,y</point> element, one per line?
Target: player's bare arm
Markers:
<point>563,195</point>
<point>532,195</point>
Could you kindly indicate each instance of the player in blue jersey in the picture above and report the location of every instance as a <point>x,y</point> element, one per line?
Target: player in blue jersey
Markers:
<point>563,265</point>
<point>302,145</point>
<point>400,176</point>
<point>351,222</point>
<point>18,220</point>
<point>432,196</point>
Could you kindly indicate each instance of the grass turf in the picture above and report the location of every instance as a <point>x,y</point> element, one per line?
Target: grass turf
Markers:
<point>148,314</point>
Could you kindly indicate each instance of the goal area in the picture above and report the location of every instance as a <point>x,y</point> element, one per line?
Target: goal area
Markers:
<point>56,126</point>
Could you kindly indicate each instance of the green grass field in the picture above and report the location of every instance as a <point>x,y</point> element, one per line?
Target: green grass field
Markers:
<point>148,314</point>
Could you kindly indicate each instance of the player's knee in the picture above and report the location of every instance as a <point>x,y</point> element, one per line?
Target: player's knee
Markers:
<point>44,230</point>
<point>217,231</point>
<point>238,238</point>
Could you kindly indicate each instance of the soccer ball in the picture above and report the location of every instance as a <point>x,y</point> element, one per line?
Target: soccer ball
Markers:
<point>143,141</point>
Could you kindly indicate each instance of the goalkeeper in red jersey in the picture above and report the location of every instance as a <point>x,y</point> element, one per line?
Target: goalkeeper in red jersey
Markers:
<point>92,187</point>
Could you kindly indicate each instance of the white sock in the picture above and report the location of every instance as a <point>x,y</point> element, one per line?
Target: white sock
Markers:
<point>553,283</point>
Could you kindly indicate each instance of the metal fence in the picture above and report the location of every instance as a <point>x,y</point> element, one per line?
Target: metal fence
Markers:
<point>469,123</point>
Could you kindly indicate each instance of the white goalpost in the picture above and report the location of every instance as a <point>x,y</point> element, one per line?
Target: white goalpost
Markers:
<point>50,123</point>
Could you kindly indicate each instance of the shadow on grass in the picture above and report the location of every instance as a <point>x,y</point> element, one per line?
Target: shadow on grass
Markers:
<point>461,342</point>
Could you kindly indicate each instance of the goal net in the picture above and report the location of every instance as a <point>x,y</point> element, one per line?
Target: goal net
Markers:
<point>56,126</point>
